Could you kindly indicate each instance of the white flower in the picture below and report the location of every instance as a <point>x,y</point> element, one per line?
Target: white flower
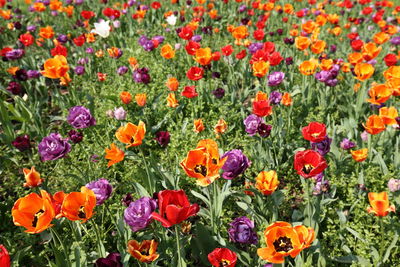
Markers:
<point>171,20</point>
<point>102,28</point>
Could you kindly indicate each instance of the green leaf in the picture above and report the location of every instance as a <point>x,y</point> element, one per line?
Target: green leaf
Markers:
<point>355,233</point>
<point>391,246</point>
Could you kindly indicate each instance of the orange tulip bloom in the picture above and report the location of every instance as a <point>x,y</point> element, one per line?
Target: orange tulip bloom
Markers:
<point>172,84</point>
<point>309,26</point>
<point>33,212</point>
<point>281,240</point>
<point>32,177</point>
<point>363,71</point>
<point>141,99</point>
<point>267,182</point>
<point>308,67</point>
<point>46,32</point>
<point>167,51</point>
<point>379,204</point>
<point>171,101</point>
<point>374,124</point>
<point>240,32</point>
<point>125,97</point>
<point>220,127</point>
<point>198,126</point>
<point>114,155</point>
<point>79,205</point>
<point>359,155</point>
<point>57,201</point>
<point>381,38</point>
<point>56,67</point>
<point>318,47</point>
<point>287,99</point>
<point>388,115</point>
<point>379,94</point>
<point>131,134</point>
<point>394,84</point>
<point>203,162</point>
<point>302,42</point>
<point>145,251</point>
<point>326,64</point>
<point>39,7</point>
<point>260,68</point>
<point>370,51</point>
<point>203,56</point>
<point>355,58</point>
<point>392,72</point>
<point>306,235</point>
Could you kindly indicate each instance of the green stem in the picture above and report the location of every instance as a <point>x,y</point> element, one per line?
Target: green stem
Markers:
<point>54,233</point>
<point>178,247</point>
<point>149,183</point>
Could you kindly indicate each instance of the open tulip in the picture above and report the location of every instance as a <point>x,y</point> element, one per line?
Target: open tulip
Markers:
<point>131,134</point>
<point>145,251</point>
<point>55,68</point>
<point>222,257</point>
<point>267,182</point>
<point>374,124</point>
<point>379,204</point>
<point>359,155</point>
<point>309,163</point>
<point>314,132</point>
<point>4,257</point>
<point>79,205</point>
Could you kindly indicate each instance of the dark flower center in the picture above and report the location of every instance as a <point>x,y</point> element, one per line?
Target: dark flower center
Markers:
<point>307,168</point>
<point>81,213</point>
<point>283,243</point>
<point>145,252</point>
<point>201,169</point>
<point>132,140</point>
<point>224,262</point>
<point>36,217</point>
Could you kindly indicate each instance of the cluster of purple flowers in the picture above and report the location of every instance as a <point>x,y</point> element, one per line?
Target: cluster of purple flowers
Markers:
<point>255,124</point>
<point>329,76</point>
<point>141,75</point>
<point>150,44</point>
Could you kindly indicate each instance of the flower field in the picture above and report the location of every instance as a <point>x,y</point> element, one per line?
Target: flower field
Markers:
<point>199,133</point>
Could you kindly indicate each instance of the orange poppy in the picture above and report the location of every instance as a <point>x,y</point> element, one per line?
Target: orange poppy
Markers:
<point>370,51</point>
<point>198,125</point>
<point>388,115</point>
<point>114,155</point>
<point>141,99</point>
<point>286,99</point>
<point>308,67</point>
<point>379,94</point>
<point>171,101</point>
<point>260,68</point>
<point>167,51</point>
<point>267,182</point>
<point>172,84</point>
<point>131,134</point>
<point>32,177</point>
<point>79,205</point>
<point>46,32</point>
<point>281,240</point>
<point>203,56</point>
<point>125,97</point>
<point>374,124</point>
<point>145,251</point>
<point>302,42</point>
<point>203,162</point>
<point>379,204</point>
<point>363,71</point>
<point>56,67</point>
<point>34,212</point>
<point>359,155</point>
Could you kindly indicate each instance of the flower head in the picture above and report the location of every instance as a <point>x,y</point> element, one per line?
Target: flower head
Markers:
<point>53,147</point>
<point>138,214</point>
<point>235,164</point>
<point>242,231</point>
<point>102,190</point>
<point>80,117</point>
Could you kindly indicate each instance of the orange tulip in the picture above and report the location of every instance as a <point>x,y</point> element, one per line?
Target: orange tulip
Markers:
<point>167,51</point>
<point>203,56</point>
<point>57,201</point>
<point>260,68</point>
<point>46,32</point>
<point>394,84</point>
<point>172,84</point>
<point>131,134</point>
<point>392,72</point>
<point>34,212</point>
<point>370,51</point>
<point>287,99</point>
<point>318,47</point>
<point>302,42</point>
<point>281,240</point>
<point>355,58</point>
<point>379,204</point>
<point>171,101</point>
<point>309,26</point>
<point>79,205</point>
<point>203,162</point>
<point>125,97</point>
<point>308,67</point>
<point>32,177</point>
<point>379,94</point>
<point>374,124</point>
<point>114,155</point>
<point>141,99</point>
<point>359,155</point>
<point>198,125</point>
<point>56,67</point>
<point>220,127</point>
<point>145,251</point>
<point>381,38</point>
<point>388,115</point>
<point>306,235</point>
<point>267,182</point>
<point>39,7</point>
<point>240,32</point>
<point>326,64</point>
<point>363,71</point>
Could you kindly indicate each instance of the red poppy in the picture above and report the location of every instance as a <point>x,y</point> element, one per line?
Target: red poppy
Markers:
<point>258,34</point>
<point>26,39</point>
<point>262,108</point>
<point>314,132</point>
<point>186,33</point>
<point>222,257</point>
<point>227,50</point>
<point>174,207</point>
<point>4,257</point>
<point>195,73</point>
<point>87,14</point>
<point>309,163</point>
<point>80,40</point>
<point>390,60</point>
<point>189,92</point>
<point>191,47</point>
<point>59,50</point>
<point>275,58</point>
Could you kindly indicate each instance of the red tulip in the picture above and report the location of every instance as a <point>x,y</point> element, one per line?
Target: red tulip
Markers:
<point>222,257</point>
<point>314,132</point>
<point>4,257</point>
<point>227,50</point>
<point>309,163</point>
<point>174,207</point>
<point>195,73</point>
<point>189,92</point>
<point>191,47</point>
<point>390,60</point>
<point>262,108</point>
<point>186,33</point>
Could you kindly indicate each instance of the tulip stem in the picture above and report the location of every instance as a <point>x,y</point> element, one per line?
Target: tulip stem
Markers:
<point>178,247</point>
<point>147,172</point>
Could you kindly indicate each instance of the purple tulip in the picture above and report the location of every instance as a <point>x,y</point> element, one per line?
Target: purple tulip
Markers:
<point>15,88</point>
<point>79,117</point>
<point>79,70</point>
<point>322,147</point>
<point>252,122</point>
<point>15,54</point>
<point>276,78</point>
<point>138,214</point>
<point>102,189</point>
<point>162,138</point>
<point>395,40</point>
<point>141,75</point>
<point>122,70</point>
<point>242,231</point>
<point>53,147</point>
<point>236,164</point>
<point>75,136</point>
<point>275,97</point>
<point>218,93</point>
<point>264,130</point>
<point>112,260</point>
<point>346,144</point>
<point>22,143</point>
<point>321,187</point>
